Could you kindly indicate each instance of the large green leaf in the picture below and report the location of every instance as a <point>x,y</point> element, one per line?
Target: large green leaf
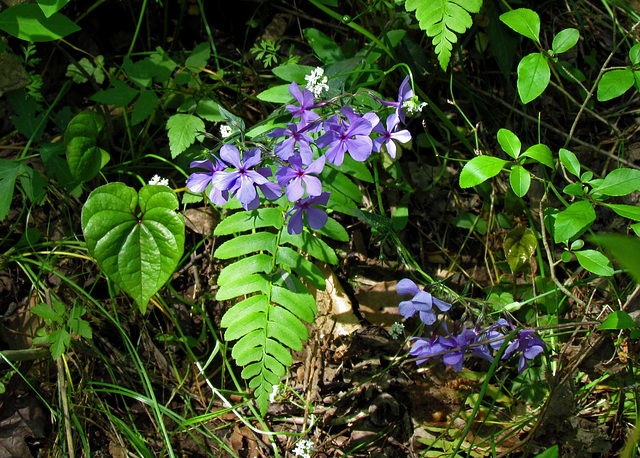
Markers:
<point>619,182</point>
<point>618,320</point>
<point>595,262</point>
<point>137,239</point>
<point>572,220</point>
<point>624,248</point>
<point>520,180</point>
<point>28,22</point>
<point>614,83</point>
<point>479,169</point>
<point>533,76</point>
<point>524,21</point>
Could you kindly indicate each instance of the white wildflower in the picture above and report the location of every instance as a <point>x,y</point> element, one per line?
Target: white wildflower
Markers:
<point>413,106</point>
<point>274,394</point>
<point>317,82</point>
<point>396,330</point>
<point>304,448</point>
<point>225,131</point>
<point>158,180</point>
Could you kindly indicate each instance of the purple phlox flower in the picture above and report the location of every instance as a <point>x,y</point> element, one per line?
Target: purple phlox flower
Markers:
<point>347,137</point>
<point>422,302</point>
<point>390,134</point>
<point>351,115</point>
<point>404,95</point>
<point>199,181</point>
<point>423,349</point>
<point>305,99</point>
<point>317,218</point>
<point>285,149</point>
<point>529,344</point>
<point>271,190</point>
<point>295,176</point>
<point>242,181</point>
<point>458,345</point>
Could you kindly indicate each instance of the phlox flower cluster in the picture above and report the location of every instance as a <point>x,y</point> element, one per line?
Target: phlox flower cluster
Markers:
<point>452,348</point>
<point>302,150</point>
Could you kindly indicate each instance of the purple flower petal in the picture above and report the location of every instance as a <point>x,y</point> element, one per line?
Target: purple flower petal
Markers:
<point>230,154</point>
<point>406,286</point>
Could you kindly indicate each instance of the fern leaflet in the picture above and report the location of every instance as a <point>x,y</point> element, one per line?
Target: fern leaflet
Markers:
<point>441,20</point>
<point>269,323</point>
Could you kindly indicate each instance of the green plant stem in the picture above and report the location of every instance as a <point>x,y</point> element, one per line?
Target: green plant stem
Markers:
<point>208,29</point>
<point>355,27</point>
<point>138,25</point>
<point>483,390</point>
<point>61,93</point>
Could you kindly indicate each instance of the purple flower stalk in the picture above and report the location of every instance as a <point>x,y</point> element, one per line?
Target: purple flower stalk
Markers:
<point>242,181</point>
<point>285,149</point>
<point>458,345</point>
<point>305,99</point>
<point>199,181</point>
<point>295,176</point>
<point>529,344</point>
<point>404,95</point>
<point>317,218</point>
<point>424,349</point>
<point>347,137</point>
<point>389,135</point>
<point>422,302</point>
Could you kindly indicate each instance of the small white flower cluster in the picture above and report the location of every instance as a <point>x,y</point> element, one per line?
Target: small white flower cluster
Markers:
<point>317,82</point>
<point>275,393</point>
<point>413,106</point>
<point>304,448</point>
<point>225,131</point>
<point>396,330</point>
<point>158,180</point>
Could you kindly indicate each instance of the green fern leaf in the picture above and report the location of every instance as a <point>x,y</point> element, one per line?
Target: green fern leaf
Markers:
<point>440,19</point>
<point>249,284</point>
<point>243,267</point>
<point>312,245</point>
<point>301,266</point>
<point>245,244</point>
<point>247,220</point>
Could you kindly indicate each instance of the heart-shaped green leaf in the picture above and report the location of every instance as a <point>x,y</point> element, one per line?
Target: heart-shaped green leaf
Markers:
<point>519,246</point>
<point>137,240</point>
<point>84,157</point>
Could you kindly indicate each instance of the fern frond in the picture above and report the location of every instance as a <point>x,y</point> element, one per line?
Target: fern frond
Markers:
<point>440,19</point>
<point>269,324</point>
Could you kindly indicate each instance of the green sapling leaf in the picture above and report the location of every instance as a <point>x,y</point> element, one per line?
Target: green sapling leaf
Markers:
<point>136,238</point>
<point>614,83</point>
<point>182,130</point>
<point>27,22</point>
<point>595,262</point>
<point>533,76</point>
<point>520,180</point>
<point>59,339</point>
<point>523,21</point>
<point>619,182</point>
<point>480,169</point>
<point>565,40</point>
<point>509,142</point>
<point>624,248</point>
<point>540,153</point>
<point>519,246</point>
<point>626,211</point>
<point>570,161</point>
<point>572,220</point>
<point>618,320</point>
<point>84,157</point>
